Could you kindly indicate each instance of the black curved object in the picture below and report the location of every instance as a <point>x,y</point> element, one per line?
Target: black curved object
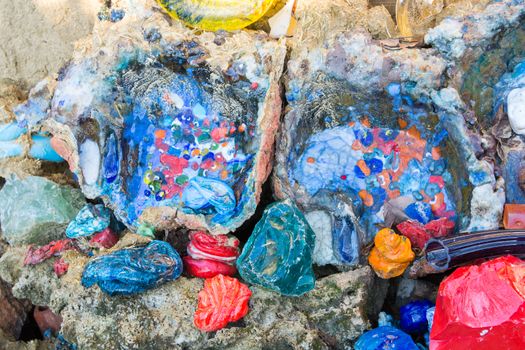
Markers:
<point>444,254</point>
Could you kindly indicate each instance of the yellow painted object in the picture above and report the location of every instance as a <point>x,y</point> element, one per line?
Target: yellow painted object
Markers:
<point>391,254</point>
<point>214,15</point>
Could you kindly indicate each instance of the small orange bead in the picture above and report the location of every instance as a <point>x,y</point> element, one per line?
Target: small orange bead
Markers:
<point>367,198</point>
<point>364,168</point>
<point>160,134</point>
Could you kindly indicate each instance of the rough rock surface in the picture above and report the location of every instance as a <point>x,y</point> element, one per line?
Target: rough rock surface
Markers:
<point>332,316</point>
<point>12,311</point>
<point>38,36</point>
<point>8,344</point>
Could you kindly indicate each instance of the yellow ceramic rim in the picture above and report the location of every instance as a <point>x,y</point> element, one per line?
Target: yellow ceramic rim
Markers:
<point>213,15</point>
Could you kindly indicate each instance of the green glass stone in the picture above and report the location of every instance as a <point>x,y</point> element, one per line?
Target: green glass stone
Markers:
<point>278,254</point>
<point>204,137</point>
<point>36,210</point>
<point>146,230</point>
<point>182,179</point>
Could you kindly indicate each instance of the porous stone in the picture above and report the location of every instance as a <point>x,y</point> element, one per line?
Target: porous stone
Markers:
<point>36,210</point>
<point>7,343</point>
<point>332,316</point>
<point>351,95</point>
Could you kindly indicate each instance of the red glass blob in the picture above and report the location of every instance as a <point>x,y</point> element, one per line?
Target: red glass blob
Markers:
<point>224,299</point>
<point>217,247</point>
<point>481,307</point>
<point>104,239</point>
<point>419,234</point>
<point>60,267</point>
<point>36,256</point>
<point>205,268</point>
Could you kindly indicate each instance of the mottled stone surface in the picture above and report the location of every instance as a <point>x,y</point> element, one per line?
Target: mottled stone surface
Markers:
<point>6,343</point>
<point>332,316</point>
<point>37,210</point>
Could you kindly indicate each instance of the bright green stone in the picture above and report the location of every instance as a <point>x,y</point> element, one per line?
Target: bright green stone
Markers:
<point>278,254</point>
<point>36,210</point>
<point>204,137</point>
<point>146,230</point>
<point>182,179</point>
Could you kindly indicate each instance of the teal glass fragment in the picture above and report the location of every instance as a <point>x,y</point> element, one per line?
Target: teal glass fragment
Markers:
<point>278,254</point>
<point>41,149</point>
<point>89,220</point>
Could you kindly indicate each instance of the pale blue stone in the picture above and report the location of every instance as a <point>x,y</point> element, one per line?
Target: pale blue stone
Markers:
<point>11,131</point>
<point>41,149</point>
<point>90,219</point>
<point>10,149</point>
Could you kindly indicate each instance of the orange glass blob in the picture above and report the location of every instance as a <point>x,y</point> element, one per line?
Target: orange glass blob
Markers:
<point>391,254</point>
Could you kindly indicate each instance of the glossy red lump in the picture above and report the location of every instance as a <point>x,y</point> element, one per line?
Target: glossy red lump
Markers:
<point>514,216</point>
<point>481,307</point>
<point>36,256</point>
<point>419,234</point>
<point>104,239</point>
<point>224,299</point>
<point>219,247</point>
<point>206,268</point>
<point>210,255</point>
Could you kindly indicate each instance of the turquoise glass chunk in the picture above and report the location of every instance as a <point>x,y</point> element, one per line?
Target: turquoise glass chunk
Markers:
<point>41,149</point>
<point>89,220</point>
<point>278,254</point>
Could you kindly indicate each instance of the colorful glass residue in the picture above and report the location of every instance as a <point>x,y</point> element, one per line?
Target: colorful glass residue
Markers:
<point>176,150</point>
<point>376,165</point>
